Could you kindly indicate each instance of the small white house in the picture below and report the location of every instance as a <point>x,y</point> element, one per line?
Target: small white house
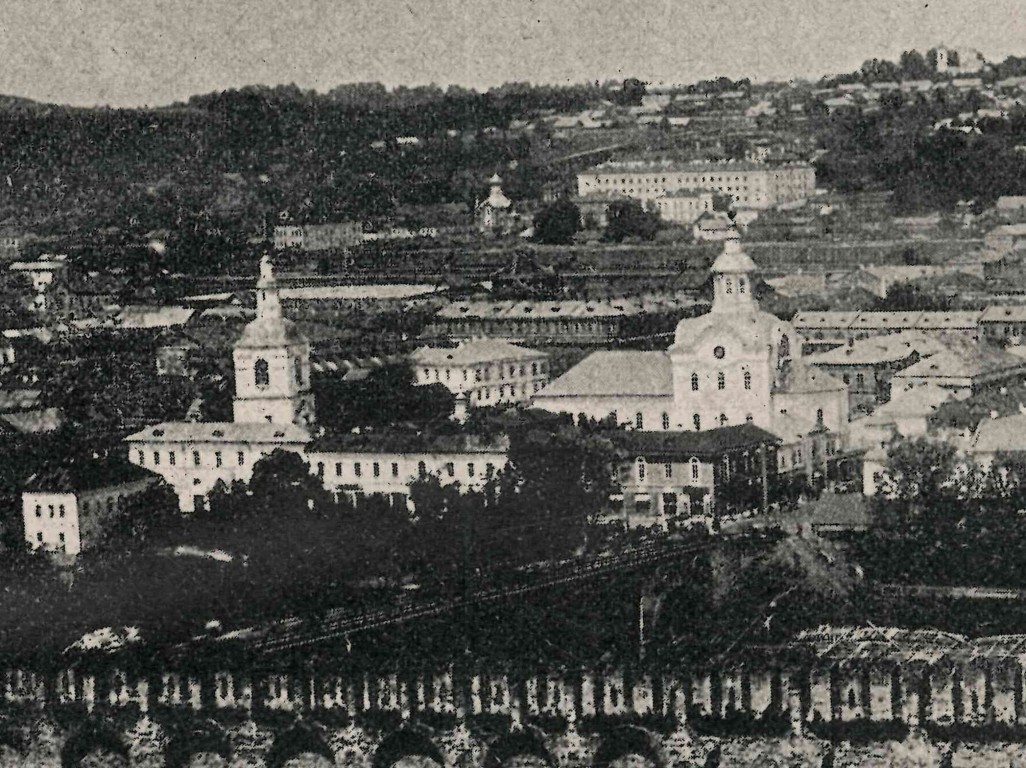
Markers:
<point>64,510</point>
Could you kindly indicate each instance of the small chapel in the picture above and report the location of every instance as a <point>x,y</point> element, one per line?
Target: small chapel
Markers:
<point>734,365</point>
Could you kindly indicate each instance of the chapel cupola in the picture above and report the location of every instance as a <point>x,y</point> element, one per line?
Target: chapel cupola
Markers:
<point>732,278</point>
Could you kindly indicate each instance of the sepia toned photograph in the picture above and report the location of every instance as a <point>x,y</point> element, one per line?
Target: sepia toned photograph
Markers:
<point>523,384</point>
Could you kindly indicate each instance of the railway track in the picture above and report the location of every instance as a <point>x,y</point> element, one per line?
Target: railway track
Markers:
<point>298,632</point>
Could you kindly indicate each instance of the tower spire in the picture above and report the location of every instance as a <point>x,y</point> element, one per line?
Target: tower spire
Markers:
<point>268,300</point>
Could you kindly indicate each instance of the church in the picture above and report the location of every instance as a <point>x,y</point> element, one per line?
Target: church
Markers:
<point>274,408</point>
<point>733,365</point>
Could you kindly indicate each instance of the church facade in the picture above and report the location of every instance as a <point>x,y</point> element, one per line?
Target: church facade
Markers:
<point>734,365</point>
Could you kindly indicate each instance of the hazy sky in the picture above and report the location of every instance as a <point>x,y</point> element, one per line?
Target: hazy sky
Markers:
<point>134,52</point>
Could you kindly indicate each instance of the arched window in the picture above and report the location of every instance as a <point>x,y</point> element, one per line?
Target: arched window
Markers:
<point>639,421</point>
<point>740,285</point>
<point>730,285</point>
<point>723,419</point>
<point>748,379</point>
<point>694,382</point>
<point>721,381</point>
<point>698,422</point>
<point>694,468</point>
<point>641,468</point>
<point>748,419</point>
<point>666,421</point>
<point>819,415</point>
<point>261,373</point>
<point>421,470</point>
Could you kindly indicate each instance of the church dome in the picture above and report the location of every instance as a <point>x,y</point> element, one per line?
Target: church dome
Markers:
<point>732,258</point>
<point>753,328</point>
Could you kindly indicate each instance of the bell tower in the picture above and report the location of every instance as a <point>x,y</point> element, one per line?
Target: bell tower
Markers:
<point>272,363</point>
<point>732,279</point>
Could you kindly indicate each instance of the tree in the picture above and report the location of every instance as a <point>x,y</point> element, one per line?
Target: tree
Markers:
<point>557,223</point>
<point>145,519</point>
<point>627,218</point>
<point>282,482</point>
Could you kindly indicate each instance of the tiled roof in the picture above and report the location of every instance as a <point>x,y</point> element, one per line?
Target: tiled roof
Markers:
<point>704,443</point>
<point>221,432</point>
<point>153,317</point>
<point>86,475</point>
<point>613,373</point>
<point>473,352</point>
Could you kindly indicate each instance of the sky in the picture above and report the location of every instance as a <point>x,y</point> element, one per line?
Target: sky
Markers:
<point>154,52</point>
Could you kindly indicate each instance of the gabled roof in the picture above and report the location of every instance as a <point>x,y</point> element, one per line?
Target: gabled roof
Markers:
<point>615,373</point>
<point>968,361</point>
<point>221,432</point>
<point>474,352</point>
<point>876,350</point>
<point>709,442</point>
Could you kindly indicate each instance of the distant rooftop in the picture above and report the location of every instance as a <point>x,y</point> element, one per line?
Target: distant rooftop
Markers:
<point>473,352</point>
<point>671,166</point>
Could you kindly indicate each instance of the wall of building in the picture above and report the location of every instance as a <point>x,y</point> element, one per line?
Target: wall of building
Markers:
<point>285,398</point>
<point>390,473</point>
<point>625,407</point>
<point>492,382</point>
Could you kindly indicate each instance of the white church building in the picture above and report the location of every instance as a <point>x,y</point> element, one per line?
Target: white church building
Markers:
<point>734,365</point>
<point>274,408</point>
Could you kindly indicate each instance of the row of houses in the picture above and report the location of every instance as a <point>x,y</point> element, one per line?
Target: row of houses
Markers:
<point>998,323</point>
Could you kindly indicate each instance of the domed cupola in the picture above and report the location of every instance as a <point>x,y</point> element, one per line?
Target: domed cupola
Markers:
<point>732,278</point>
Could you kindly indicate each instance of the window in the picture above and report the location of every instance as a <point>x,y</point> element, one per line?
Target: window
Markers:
<point>860,380</point>
<point>171,458</point>
<point>670,504</point>
<point>60,511</point>
<point>721,380</point>
<point>156,458</point>
<point>740,285</point>
<point>376,469</point>
<point>730,285</point>
<point>639,421</point>
<point>726,467</point>
<point>846,378</point>
<point>668,470</point>
<point>694,382</point>
<point>723,419</point>
<point>666,421</point>
<point>395,469</point>
<point>39,511</point>
<point>217,458</point>
<point>512,371</point>
<point>470,469</point>
<point>448,374</point>
<point>39,537</point>
<point>338,469</point>
<point>195,458</point>
<point>641,469</point>
<point>50,509</point>
<point>320,469</point>
<point>694,468</point>
<point>698,422</point>
<point>748,380</point>
<point>534,369</point>
<point>421,470</point>
<point>450,469</point>
<point>261,373</point>
<point>142,458</point>
<point>357,469</point>
<point>748,419</point>
<point>613,415</point>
